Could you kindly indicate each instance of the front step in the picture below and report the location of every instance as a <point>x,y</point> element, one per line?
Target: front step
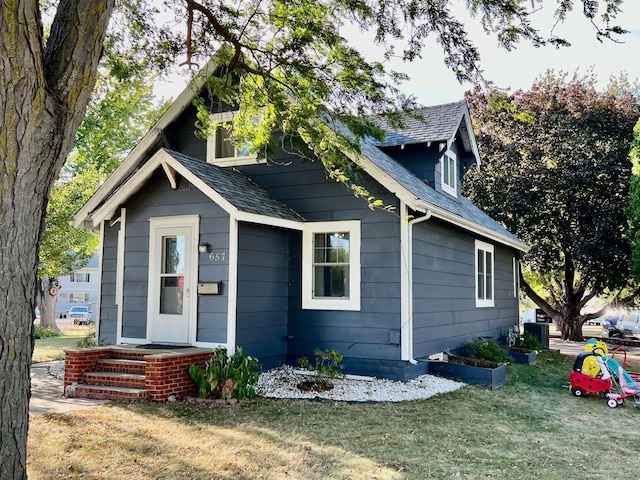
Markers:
<point>120,365</point>
<point>114,379</point>
<point>101,392</point>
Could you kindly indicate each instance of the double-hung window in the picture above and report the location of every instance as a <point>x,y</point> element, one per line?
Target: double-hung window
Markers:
<point>484,274</point>
<point>331,266</point>
<point>220,149</point>
<point>450,173</point>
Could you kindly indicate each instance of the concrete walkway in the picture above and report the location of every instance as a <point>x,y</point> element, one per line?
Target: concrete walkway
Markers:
<point>47,393</point>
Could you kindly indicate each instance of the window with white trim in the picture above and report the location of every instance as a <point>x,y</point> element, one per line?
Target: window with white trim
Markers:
<point>449,173</point>
<point>79,277</point>
<point>331,265</point>
<point>484,274</point>
<point>220,149</point>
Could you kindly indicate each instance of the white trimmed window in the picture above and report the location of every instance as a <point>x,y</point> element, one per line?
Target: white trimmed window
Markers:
<point>450,173</point>
<point>79,277</point>
<point>484,274</point>
<point>331,265</point>
<point>220,150</point>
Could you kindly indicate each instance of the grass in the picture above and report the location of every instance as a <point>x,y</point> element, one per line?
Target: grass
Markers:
<point>52,348</point>
<point>532,428</point>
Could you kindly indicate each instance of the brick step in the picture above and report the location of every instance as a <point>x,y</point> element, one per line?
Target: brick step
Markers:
<point>101,392</point>
<point>114,379</point>
<point>121,365</point>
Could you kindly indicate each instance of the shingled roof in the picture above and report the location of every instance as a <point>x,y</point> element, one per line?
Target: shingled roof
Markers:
<point>433,124</point>
<point>236,188</point>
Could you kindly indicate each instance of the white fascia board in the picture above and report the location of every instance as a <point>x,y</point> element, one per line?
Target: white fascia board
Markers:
<point>472,136</point>
<point>131,161</point>
<point>471,226</point>
<point>108,209</point>
<point>270,221</point>
<point>384,179</point>
<point>415,203</point>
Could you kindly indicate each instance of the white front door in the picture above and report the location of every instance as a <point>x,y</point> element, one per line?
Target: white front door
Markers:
<point>172,307</point>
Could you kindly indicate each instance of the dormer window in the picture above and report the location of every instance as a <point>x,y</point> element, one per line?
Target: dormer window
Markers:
<point>220,149</point>
<point>450,173</point>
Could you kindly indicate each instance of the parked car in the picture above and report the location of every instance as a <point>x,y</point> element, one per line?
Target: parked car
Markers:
<point>622,325</point>
<point>80,315</point>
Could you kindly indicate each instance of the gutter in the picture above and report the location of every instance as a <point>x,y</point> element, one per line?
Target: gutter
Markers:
<point>406,281</point>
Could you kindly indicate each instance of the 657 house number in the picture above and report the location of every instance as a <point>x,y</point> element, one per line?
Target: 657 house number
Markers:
<point>217,256</point>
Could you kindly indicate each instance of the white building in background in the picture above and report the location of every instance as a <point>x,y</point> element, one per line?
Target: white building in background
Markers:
<point>79,288</point>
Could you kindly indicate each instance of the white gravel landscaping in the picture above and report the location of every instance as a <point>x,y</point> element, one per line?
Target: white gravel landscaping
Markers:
<point>282,382</point>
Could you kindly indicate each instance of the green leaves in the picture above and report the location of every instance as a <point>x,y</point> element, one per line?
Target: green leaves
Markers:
<point>556,172</point>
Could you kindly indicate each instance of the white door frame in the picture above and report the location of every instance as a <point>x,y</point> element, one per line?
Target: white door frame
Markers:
<point>159,226</point>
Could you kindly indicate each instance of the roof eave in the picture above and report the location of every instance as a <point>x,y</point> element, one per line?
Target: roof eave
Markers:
<point>150,139</point>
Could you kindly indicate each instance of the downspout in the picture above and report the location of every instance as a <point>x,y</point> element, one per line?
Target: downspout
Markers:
<point>406,281</point>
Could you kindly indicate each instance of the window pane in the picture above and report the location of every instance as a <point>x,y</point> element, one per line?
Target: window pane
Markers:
<point>489,276</point>
<point>481,266</point>
<point>224,147</point>
<point>171,291</point>
<point>331,281</point>
<point>173,252</point>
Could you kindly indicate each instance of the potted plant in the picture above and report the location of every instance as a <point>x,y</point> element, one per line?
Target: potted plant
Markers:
<point>525,349</point>
<point>482,362</point>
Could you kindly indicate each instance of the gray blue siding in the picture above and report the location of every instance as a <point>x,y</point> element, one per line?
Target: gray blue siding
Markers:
<point>364,337</point>
<point>263,290</point>
<point>444,312</point>
<point>108,308</point>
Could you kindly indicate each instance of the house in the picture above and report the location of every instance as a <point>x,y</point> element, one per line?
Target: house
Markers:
<point>205,246</point>
<point>79,288</point>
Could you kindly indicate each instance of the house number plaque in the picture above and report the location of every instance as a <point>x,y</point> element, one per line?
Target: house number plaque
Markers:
<point>218,257</point>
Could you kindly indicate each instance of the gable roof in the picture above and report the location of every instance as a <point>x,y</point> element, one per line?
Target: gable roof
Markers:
<point>232,191</point>
<point>421,197</point>
<point>438,123</point>
<point>235,194</point>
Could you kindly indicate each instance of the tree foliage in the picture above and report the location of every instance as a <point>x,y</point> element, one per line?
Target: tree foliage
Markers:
<point>278,50</point>
<point>120,111</point>
<point>556,172</point>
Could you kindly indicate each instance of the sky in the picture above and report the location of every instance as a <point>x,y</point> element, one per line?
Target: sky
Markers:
<point>432,83</point>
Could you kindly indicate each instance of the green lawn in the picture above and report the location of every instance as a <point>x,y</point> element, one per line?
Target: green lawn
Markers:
<point>532,428</point>
<point>52,348</point>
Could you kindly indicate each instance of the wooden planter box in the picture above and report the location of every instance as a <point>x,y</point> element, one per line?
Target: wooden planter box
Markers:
<point>521,355</point>
<point>471,371</point>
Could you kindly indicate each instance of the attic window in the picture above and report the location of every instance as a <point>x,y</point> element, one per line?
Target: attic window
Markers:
<point>449,173</point>
<point>220,150</point>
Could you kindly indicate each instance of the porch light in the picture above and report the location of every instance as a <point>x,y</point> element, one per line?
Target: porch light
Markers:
<point>204,247</point>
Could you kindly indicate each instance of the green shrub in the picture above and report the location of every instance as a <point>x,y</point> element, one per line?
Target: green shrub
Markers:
<point>226,377</point>
<point>486,350</point>
<point>528,341</point>
<point>89,339</point>
<point>327,366</point>
<point>45,332</point>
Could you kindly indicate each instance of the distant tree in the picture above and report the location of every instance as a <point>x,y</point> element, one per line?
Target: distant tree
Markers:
<point>633,212</point>
<point>121,110</point>
<point>556,172</point>
<point>277,50</point>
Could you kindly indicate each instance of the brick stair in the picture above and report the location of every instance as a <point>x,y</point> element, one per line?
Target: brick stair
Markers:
<point>115,379</point>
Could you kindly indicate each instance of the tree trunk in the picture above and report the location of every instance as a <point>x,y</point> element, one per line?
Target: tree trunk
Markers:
<point>43,96</point>
<point>47,299</point>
